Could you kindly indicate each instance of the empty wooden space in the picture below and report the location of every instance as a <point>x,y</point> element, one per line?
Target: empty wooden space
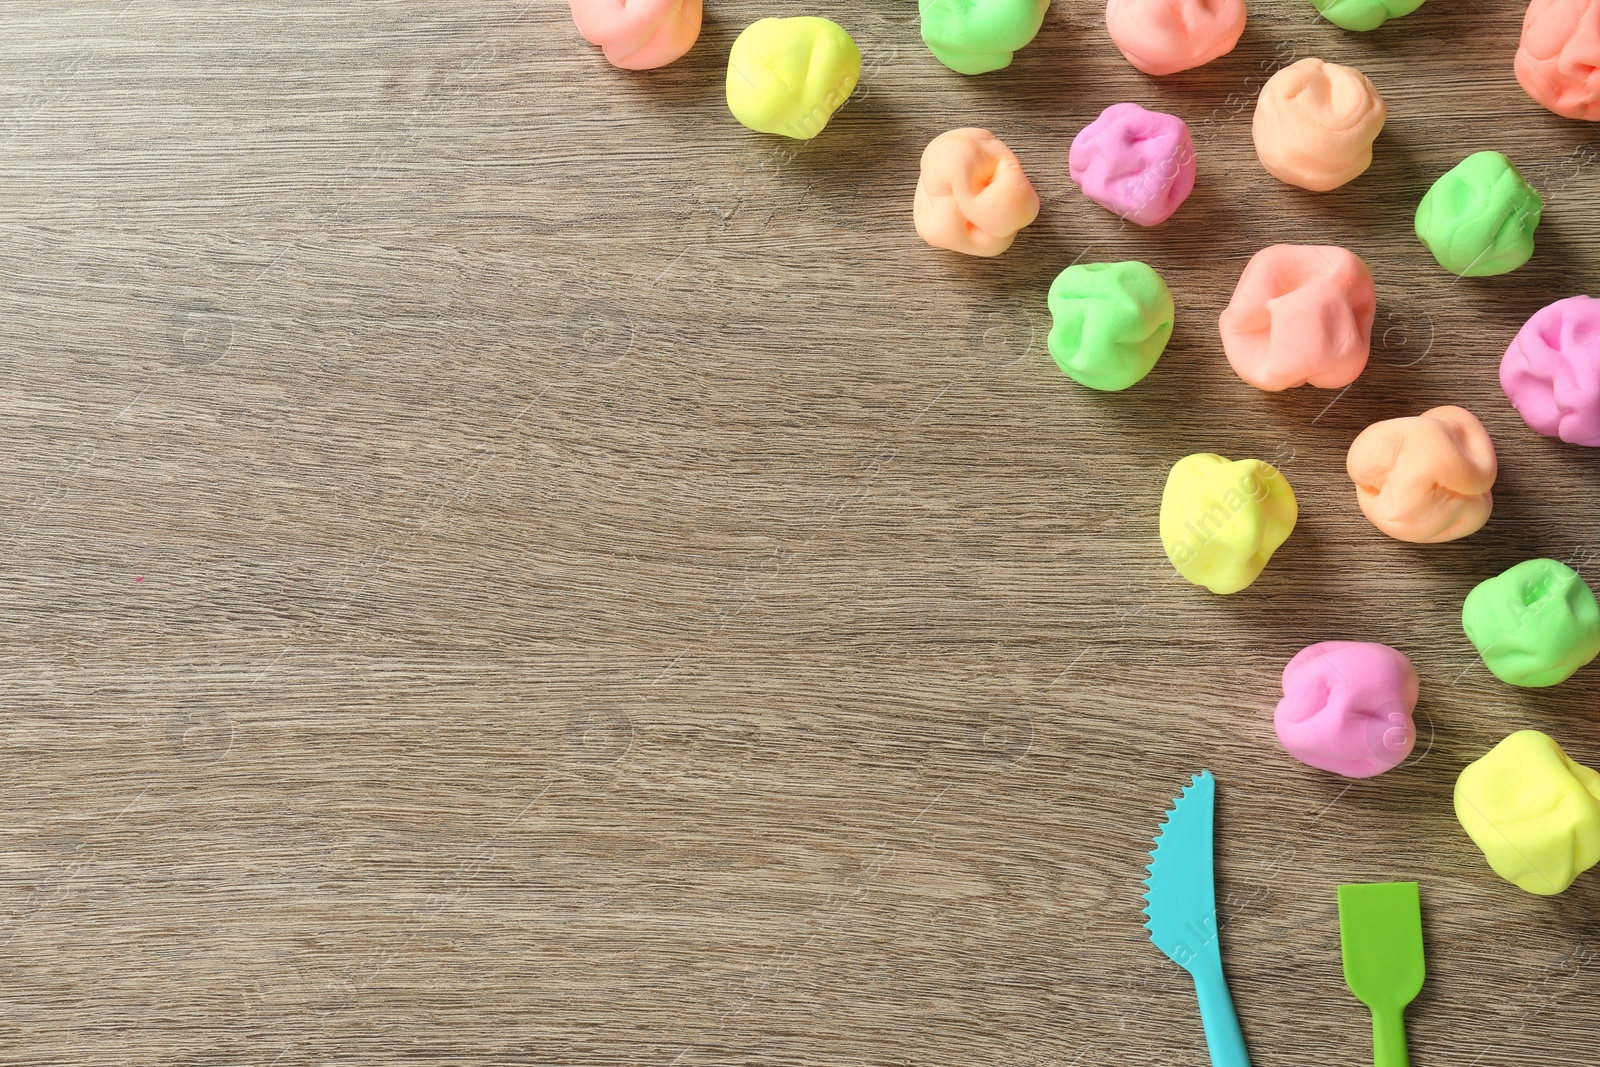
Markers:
<point>505,566</point>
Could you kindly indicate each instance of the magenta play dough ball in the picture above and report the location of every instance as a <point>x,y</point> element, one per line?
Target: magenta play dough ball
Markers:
<point>1551,372</point>
<point>1347,707</point>
<point>1135,163</point>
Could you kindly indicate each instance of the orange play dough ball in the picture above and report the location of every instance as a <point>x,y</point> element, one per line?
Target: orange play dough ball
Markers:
<point>1558,60</point>
<point>1166,36</point>
<point>639,34</point>
<point>1425,479</point>
<point>972,196</point>
<point>1300,315</point>
<point>1315,123</point>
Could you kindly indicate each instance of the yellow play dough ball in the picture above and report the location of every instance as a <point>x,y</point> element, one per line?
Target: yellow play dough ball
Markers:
<point>1222,520</point>
<point>1533,811</point>
<point>788,76</point>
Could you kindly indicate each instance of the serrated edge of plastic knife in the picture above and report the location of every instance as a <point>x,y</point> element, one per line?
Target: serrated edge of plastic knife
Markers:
<point>1161,832</point>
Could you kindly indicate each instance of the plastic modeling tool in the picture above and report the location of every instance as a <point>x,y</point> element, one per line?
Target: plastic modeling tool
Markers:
<point>1183,914</point>
<point>1380,931</point>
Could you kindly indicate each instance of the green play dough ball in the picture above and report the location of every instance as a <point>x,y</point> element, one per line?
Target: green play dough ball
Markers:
<point>1478,219</point>
<point>1364,15</point>
<point>1535,624</point>
<point>1110,323</point>
<point>977,36</point>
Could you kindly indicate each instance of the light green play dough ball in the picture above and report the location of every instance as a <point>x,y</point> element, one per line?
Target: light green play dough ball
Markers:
<point>977,36</point>
<point>1478,219</point>
<point>1110,323</point>
<point>1534,624</point>
<point>1364,15</point>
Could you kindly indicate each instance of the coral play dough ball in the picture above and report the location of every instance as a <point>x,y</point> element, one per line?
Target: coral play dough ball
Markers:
<point>1551,372</point>
<point>1534,625</point>
<point>1558,60</point>
<point>977,36</point>
<point>1363,15</point>
<point>788,76</point>
<point>1221,521</point>
<point>1110,323</point>
<point>1315,123</point>
<point>1347,708</point>
<point>1300,315</point>
<point>1166,36</point>
<point>972,196</point>
<point>1425,479</point>
<point>639,34</point>
<point>1478,218</point>
<point>1533,812</point>
<point>1134,163</point>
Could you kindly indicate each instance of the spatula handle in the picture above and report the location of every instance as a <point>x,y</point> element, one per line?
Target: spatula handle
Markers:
<point>1389,1039</point>
<point>1224,1040</point>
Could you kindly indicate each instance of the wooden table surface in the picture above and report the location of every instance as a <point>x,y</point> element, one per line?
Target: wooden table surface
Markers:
<point>505,566</point>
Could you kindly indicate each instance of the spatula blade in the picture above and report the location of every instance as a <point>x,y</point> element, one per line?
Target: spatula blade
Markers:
<point>1380,933</point>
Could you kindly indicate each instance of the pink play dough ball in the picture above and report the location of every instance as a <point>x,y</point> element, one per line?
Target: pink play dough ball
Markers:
<point>1551,372</point>
<point>1166,36</point>
<point>1134,163</point>
<point>1558,59</point>
<point>639,34</point>
<point>1300,315</point>
<point>1347,707</point>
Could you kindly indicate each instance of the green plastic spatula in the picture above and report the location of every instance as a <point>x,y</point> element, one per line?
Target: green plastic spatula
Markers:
<point>1380,931</point>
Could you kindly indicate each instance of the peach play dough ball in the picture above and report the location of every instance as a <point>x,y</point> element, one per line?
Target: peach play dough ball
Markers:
<point>1558,60</point>
<point>1425,479</point>
<point>1166,36</point>
<point>1300,315</point>
<point>972,196</point>
<point>1315,123</point>
<point>639,34</point>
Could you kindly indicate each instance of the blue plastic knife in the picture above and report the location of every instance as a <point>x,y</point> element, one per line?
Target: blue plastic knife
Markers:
<point>1183,914</point>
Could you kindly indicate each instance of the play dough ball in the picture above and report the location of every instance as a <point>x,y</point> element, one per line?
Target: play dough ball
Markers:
<point>1551,372</point>
<point>1478,219</point>
<point>639,34</point>
<point>1110,323</point>
<point>1221,521</point>
<point>977,36</point>
<point>1426,478</point>
<point>972,196</point>
<point>1534,625</point>
<point>1166,36</point>
<point>1315,123</point>
<point>1347,707</point>
<point>1558,60</point>
<point>1533,811</point>
<point>1134,163</point>
<point>788,76</point>
<point>1364,15</point>
<point>1301,314</point>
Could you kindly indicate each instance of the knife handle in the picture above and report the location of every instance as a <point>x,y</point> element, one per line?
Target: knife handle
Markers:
<point>1389,1039</point>
<point>1224,1039</point>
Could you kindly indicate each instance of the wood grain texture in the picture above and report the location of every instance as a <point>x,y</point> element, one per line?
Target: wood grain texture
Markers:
<point>504,566</point>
